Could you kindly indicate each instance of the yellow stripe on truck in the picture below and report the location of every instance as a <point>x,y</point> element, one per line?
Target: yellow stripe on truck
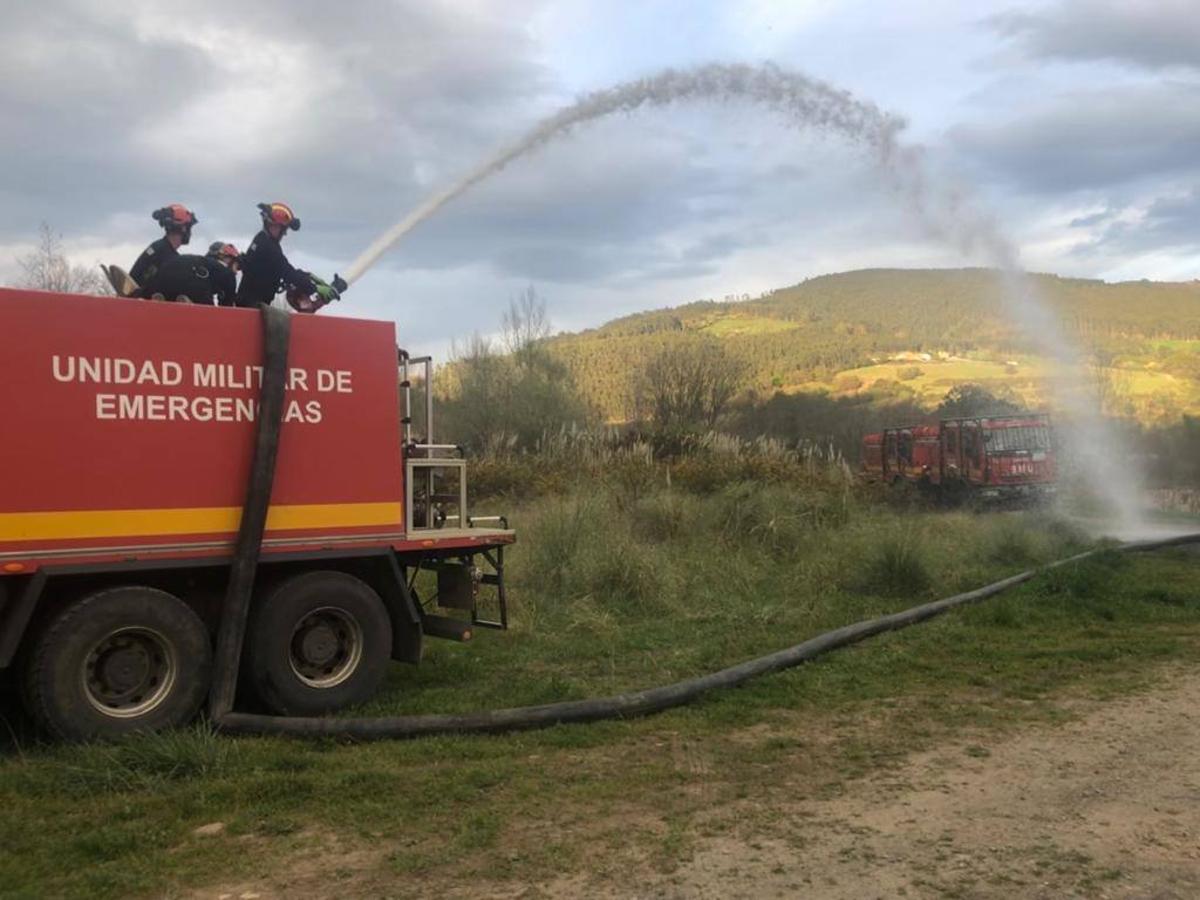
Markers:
<point>105,523</point>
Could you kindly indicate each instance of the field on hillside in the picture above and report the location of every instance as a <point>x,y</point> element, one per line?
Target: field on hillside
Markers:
<point>1142,340</point>
<point>1151,393</point>
<point>621,580</point>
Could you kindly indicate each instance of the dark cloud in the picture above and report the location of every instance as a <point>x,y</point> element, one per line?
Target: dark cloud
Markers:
<point>1170,222</point>
<point>567,214</point>
<point>72,84</point>
<point>117,108</point>
<point>1154,34</point>
<point>1091,139</point>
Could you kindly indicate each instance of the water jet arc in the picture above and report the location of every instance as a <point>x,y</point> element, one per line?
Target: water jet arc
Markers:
<point>942,210</point>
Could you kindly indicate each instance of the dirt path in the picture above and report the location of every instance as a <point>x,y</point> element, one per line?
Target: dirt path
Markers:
<point>1106,806</point>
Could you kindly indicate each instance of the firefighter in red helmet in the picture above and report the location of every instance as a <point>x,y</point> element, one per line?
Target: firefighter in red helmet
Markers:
<point>196,279</point>
<point>225,275</point>
<point>177,221</point>
<point>266,271</point>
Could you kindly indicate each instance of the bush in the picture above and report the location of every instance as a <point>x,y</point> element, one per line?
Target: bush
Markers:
<point>662,516</point>
<point>558,537</point>
<point>623,575</point>
<point>777,519</point>
<point>1013,544</point>
<point>896,566</point>
<point>630,466</point>
<point>844,384</point>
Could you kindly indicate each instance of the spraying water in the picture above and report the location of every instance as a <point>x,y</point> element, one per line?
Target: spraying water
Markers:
<point>808,103</point>
<point>803,101</point>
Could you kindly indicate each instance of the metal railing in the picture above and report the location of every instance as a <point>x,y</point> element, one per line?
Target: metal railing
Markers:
<point>428,505</point>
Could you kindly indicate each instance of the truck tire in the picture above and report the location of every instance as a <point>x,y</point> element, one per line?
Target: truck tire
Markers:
<point>118,661</point>
<point>316,643</point>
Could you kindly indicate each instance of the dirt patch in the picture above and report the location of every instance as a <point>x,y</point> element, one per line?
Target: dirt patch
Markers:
<point>320,864</point>
<point>1106,806</point>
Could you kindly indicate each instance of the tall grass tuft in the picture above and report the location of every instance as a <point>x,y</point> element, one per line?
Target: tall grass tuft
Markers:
<point>144,761</point>
<point>1012,543</point>
<point>775,518</point>
<point>896,565</point>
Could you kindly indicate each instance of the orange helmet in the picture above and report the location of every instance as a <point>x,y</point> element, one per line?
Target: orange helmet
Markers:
<point>175,217</point>
<point>279,214</point>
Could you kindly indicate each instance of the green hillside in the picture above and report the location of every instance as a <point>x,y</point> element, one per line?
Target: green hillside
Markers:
<point>910,335</point>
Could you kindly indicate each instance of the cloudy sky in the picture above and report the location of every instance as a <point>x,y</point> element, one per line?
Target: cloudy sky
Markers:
<point>1075,122</point>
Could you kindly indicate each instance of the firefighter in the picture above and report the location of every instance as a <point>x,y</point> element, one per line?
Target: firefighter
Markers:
<point>266,271</point>
<point>177,221</point>
<point>225,275</point>
<point>186,278</point>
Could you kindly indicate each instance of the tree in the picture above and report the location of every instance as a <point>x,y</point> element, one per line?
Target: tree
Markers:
<point>518,395</point>
<point>686,385</point>
<point>976,400</point>
<point>46,268</point>
<point>524,323</point>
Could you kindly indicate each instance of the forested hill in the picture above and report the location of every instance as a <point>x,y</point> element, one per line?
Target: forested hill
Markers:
<point>801,337</point>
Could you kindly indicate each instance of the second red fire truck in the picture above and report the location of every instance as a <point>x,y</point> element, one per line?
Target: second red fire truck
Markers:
<point>992,457</point>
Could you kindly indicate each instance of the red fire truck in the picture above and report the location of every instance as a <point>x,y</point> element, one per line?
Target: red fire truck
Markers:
<point>995,457</point>
<point>128,444</point>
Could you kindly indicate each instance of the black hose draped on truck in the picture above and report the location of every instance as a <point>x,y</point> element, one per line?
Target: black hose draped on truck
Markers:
<point>231,633</point>
<point>635,703</point>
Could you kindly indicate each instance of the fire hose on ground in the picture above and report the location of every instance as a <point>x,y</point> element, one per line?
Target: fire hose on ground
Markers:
<point>621,706</point>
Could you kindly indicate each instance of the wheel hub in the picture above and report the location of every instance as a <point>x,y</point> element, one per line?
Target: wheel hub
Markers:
<point>320,645</point>
<point>129,672</point>
<point>326,647</point>
<point>124,668</point>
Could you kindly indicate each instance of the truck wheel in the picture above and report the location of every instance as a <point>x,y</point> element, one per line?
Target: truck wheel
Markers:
<point>318,642</point>
<point>120,660</point>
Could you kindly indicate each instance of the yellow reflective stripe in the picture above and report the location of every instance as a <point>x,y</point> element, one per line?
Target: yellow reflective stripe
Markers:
<point>104,523</point>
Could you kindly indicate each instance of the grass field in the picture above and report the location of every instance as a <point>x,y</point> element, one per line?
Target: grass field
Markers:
<point>1134,389</point>
<point>937,377</point>
<point>617,588</point>
<point>730,324</point>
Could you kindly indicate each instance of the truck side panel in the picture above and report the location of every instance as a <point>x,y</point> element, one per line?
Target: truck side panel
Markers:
<point>135,426</point>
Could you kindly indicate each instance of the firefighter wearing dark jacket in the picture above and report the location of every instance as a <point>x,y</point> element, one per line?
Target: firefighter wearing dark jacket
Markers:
<point>266,271</point>
<point>202,280</point>
<point>228,261</point>
<point>177,220</point>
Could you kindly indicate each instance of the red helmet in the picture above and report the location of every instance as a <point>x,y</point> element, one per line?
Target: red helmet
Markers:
<point>279,214</point>
<point>175,217</point>
<point>222,251</point>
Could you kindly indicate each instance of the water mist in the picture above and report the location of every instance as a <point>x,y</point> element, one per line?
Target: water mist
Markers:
<point>808,103</point>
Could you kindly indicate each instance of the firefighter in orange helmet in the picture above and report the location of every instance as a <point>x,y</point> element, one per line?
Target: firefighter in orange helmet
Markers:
<point>177,221</point>
<point>266,271</point>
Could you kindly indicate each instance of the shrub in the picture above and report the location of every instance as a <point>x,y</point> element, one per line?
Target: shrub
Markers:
<point>662,516</point>
<point>896,566</point>
<point>778,518</point>
<point>844,384</point>
<point>1012,543</point>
